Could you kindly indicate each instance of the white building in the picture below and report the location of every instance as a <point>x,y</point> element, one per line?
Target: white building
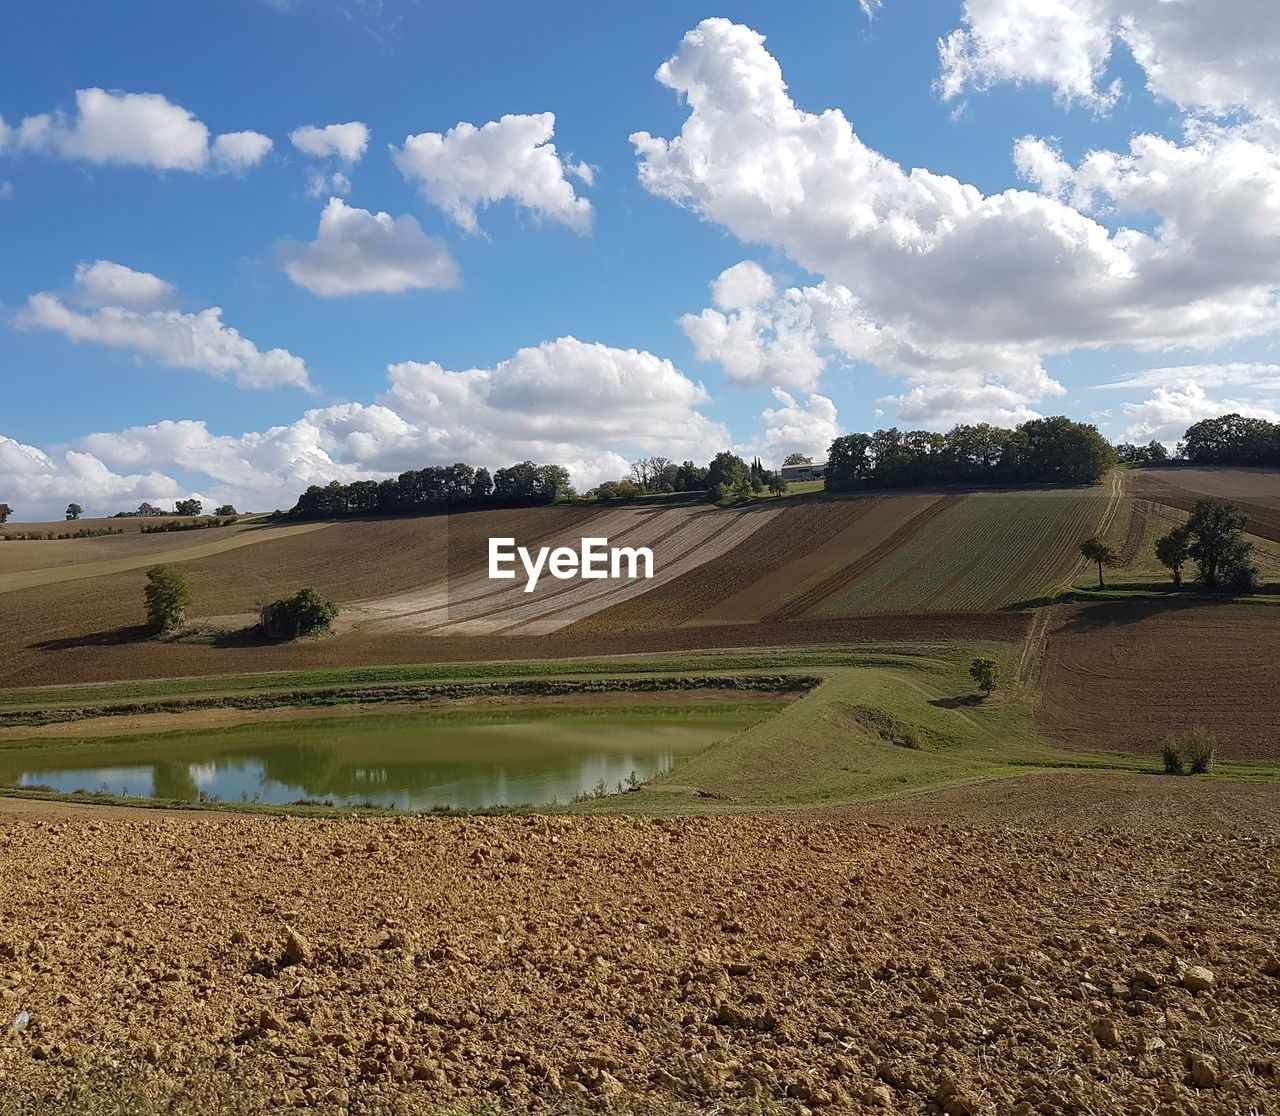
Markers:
<point>816,471</point>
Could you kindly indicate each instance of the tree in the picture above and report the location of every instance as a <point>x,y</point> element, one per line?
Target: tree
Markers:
<point>1097,549</point>
<point>5,512</point>
<point>647,472</point>
<point>187,507</point>
<point>303,613</point>
<point>481,484</point>
<point>225,510</point>
<point>1218,546</point>
<point>167,597</point>
<point>797,459</point>
<point>984,673</point>
<point>74,511</point>
<point>730,470</point>
<point>1172,550</point>
<point>778,484</point>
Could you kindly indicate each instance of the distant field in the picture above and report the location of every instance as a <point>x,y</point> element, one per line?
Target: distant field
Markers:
<point>1256,492</point>
<point>985,552</point>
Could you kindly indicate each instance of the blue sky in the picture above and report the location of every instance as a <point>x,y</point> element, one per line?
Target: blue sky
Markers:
<point>221,235</point>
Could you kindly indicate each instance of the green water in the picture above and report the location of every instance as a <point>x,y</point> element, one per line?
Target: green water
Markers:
<point>414,761</point>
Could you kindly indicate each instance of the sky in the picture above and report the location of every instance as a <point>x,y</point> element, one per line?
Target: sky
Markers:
<point>250,246</point>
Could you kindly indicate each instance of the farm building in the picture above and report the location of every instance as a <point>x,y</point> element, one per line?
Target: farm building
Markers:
<point>815,471</point>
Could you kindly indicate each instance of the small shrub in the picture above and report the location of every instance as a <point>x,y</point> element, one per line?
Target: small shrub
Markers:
<point>303,613</point>
<point>890,729</point>
<point>167,596</point>
<point>1189,752</point>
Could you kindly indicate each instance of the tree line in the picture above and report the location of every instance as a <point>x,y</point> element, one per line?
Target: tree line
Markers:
<point>436,488</point>
<point>1040,451</point>
<point>1232,440</point>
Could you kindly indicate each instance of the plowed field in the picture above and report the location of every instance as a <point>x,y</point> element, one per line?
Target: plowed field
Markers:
<point>1123,676</point>
<point>762,965</point>
<point>1256,492</point>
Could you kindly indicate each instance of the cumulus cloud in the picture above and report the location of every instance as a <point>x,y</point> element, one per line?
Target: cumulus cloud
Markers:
<point>40,485</point>
<point>200,342</point>
<point>135,129</point>
<point>1169,410</point>
<point>807,427</point>
<point>1202,56</point>
<point>357,252</point>
<point>104,283</point>
<point>587,406</point>
<point>970,292</point>
<point>346,142</point>
<point>468,168</point>
<point>760,335</point>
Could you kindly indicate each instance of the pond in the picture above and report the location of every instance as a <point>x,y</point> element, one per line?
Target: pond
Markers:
<point>464,759</point>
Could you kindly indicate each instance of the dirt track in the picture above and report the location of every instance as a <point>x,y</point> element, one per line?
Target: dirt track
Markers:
<point>751,965</point>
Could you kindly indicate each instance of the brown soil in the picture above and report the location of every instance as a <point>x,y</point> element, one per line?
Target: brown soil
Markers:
<point>122,654</point>
<point>850,574</point>
<point>1254,492</point>
<point>1078,801</point>
<point>1123,676</point>
<point>748,965</point>
<point>795,531</point>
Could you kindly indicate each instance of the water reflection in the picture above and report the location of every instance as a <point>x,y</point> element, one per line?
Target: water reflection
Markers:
<point>413,761</point>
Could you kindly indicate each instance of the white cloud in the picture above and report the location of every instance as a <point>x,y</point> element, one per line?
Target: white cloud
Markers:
<point>346,142</point>
<point>103,283</point>
<point>969,293</point>
<point>136,129</point>
<point>795,427</point>
<point>39,486</point>
<point>587,406</point>
<point>468,168</point>
<point>357,252</point>
<point>1065,43</point>
<point>1169,410</point>
<point>6,190</point>
<point>1202,55</point>
<point>200,341</point>
<point>761,336</point>
<point>1235,374</point>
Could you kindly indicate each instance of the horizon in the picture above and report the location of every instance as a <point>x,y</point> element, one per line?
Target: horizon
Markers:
<point>399,242</point>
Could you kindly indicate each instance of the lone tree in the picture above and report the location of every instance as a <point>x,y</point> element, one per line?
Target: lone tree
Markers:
<point>5,512</point>
<point>167,596</point>
<point>226,509</point>
<point>1096,549</point>
<point>303,613</point>
<point>187,507</point>
<point>985,673</point>
<point>1218,546</point>
<point>74,511</point>
<point>797,459</point>
<point>1173,550</point>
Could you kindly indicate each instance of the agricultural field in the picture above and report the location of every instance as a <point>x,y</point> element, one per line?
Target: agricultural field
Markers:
<point>1256,492</point>
<point>1123,675</point>
<point>982,553</point>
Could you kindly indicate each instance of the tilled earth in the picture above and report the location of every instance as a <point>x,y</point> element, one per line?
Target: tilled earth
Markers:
<point>752,964</point>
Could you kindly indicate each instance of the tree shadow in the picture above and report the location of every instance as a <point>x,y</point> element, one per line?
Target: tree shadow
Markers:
<point>964,701</point>
<point>110,637</point>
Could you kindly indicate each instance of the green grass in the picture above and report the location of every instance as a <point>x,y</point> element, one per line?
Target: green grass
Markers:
<point>992,549</point>
<point>835,745</point>
<point>790,661</point>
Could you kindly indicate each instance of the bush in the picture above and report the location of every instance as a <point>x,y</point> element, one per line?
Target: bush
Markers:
<point>1190,752</point>
<point>303,613</point>
<point>167,596</point>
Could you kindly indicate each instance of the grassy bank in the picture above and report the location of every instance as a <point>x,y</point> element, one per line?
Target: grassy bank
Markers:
<point>882,721</point>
